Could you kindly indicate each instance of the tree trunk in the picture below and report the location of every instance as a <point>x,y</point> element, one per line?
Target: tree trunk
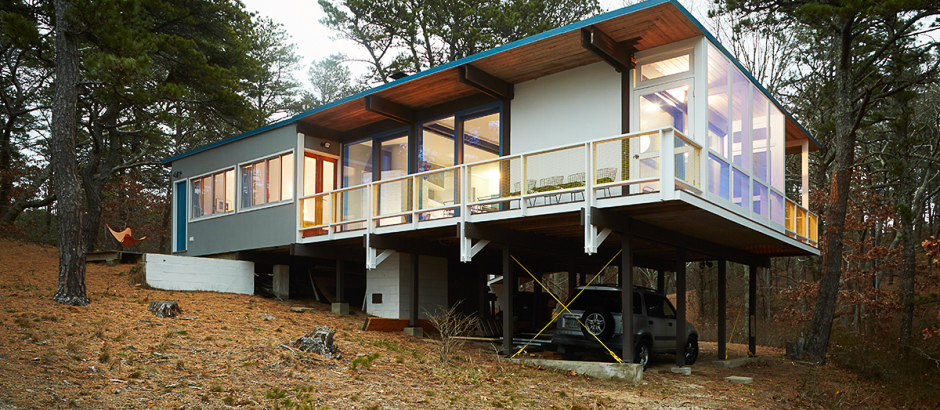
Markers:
<point>71,288</point>
<point>843,142</point>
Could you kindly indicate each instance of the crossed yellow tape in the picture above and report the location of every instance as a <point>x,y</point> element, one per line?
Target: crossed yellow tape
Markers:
<point>565,307</point>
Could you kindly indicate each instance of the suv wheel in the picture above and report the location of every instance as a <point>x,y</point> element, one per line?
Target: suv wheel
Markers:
<point>643,353</point>
<point>597,322</point>
<point>691,349</point>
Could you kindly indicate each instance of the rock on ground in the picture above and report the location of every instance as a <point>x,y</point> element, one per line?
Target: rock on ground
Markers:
<point>164,309</point>
<point>320,341</point>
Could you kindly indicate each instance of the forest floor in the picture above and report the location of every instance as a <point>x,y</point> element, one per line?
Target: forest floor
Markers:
<point>225,350</point>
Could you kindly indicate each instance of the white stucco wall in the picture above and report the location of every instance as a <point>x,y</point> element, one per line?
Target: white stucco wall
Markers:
<point>571,106</point>
<point>391,279</point>
<point>170,272</point>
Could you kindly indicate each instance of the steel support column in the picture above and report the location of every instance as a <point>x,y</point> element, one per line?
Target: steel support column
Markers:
<point>509,285</point>
<point>661,281</point>
<point>751,310</point>
<point>626,283</point>
<point>722,309</point>
<point>680,309</point>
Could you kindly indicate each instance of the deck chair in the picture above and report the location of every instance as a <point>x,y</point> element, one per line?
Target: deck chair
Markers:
<point>124,237</point>
<point>575,180</point>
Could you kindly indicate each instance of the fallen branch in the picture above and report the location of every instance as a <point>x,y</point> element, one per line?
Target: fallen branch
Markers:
<point>288,348</point>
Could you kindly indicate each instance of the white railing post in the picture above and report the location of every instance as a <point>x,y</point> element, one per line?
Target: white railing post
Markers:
<point>414,202</point>
<point>524,186</point>
<point>667,164</point>
<point>590,231</point>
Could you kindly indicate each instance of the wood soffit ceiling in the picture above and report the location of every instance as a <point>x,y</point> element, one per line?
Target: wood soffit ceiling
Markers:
<point>653,26</point>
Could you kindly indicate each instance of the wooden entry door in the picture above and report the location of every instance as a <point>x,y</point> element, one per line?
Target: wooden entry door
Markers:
<point>319,177</point>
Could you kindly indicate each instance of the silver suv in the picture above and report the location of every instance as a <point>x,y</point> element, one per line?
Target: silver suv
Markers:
<point>600,309</point>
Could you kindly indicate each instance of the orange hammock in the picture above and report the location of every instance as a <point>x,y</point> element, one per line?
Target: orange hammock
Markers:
<point>124,237</point>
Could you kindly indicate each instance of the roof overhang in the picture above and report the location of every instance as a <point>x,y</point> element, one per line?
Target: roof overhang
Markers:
<point>640,26</point>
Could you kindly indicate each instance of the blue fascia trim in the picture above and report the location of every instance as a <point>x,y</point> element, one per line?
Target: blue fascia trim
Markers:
<point>245,134</point>
<point>747,73</point>
<point>518,43</point>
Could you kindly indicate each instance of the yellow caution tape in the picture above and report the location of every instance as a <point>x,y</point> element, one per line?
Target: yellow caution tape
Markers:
<point>565,307</point>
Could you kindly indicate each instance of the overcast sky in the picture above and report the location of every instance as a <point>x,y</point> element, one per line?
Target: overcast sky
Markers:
<point>301,19</point>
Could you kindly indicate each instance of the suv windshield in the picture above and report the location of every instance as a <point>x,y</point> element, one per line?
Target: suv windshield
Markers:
<point>608,299</point>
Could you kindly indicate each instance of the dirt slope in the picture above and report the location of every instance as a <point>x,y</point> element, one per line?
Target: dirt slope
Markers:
<point>225,351</point>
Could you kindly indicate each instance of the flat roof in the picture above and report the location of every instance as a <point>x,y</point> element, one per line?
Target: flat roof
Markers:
<point>653,23</point>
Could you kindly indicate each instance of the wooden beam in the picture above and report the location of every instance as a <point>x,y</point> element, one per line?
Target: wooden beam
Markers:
<point>324,251</point>
<point>618,55</point>
<point>627,226</point>
<point>390,109</point>
<point>509,290</point>
<point>404,244</point>
<point>626,299</point>
<point>485,82</point>
<point>751,311</point>
<point>521,240</point>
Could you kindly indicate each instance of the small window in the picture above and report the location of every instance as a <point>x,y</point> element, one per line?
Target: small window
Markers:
<point>376,298</point>
<point>268,180</point>
<point>213,194</point>
<point>664,68</point>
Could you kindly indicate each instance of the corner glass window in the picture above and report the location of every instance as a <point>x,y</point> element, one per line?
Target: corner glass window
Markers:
<point>740,120</point>
<point>760,137</point>
<point>718,174</point>
<point>718,100</point>
<point>667,108</point>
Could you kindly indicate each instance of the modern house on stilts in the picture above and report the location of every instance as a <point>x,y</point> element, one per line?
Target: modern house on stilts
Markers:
<point>634,130</point>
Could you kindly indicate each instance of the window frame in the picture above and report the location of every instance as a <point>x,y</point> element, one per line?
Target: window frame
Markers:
<point>239,177</point>
<point>192,197</point>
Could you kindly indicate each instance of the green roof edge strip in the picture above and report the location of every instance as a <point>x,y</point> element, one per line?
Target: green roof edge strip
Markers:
<point>508,46</point>
<point>746,72</point>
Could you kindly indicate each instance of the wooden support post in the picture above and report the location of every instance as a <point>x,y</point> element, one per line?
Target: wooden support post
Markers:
<point>537,300</point>
<point>509,290</point>
<point>661,281</point>
<point>722,309</point>
<point>340,286</point>
<point>389,109</point>
<point>751,310</point>
<point>482,290</point>
<point>626,280</point>
<point>680,310</point>
<point>413,315</point>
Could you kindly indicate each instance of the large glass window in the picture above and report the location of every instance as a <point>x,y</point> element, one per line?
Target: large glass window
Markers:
<point>760,137</point>
<point>718,174</point>
<point>761,200</point>
<point>357,163</point>
<point>776,161</point>
<point>663,68</point>
<point>394,157</point>
<point>268,180</point>
<point>718,100</point>
<point>213,194</point>
<point>740,120</point>
<point>667,108</point>
<point>740,190</point>
<point>481,138</point>
<point>436,148</point>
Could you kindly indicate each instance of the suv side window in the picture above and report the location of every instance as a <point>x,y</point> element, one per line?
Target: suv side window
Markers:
<point>659,306</point>
<point>607,299</point>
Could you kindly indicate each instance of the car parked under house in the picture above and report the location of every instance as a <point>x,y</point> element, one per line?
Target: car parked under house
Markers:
<point>632,131</point>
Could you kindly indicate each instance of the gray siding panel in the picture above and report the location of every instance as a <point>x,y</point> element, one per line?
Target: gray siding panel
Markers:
<point>244,229</point>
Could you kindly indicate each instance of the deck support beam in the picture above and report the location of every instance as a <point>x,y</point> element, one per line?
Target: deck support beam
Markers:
<point>485,82</point>
<point>389,109</point>
<point>340,306</point>
<point>626,286</point>
<point>680,309</point>
<point>509,290</point>
<point>722,309</point>
<point>413,329</point>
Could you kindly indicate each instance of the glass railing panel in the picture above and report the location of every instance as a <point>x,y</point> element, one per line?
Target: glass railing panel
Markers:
<point>496,179</point>
<point>801,221</point>
<point>813,227</point>
<point>393,197</point>
<point>439,189</point>
<point>314,211</point>
<point>687,162</point>
<point>790,219</point>
<point>352,204</point>
<point>554,170</point>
